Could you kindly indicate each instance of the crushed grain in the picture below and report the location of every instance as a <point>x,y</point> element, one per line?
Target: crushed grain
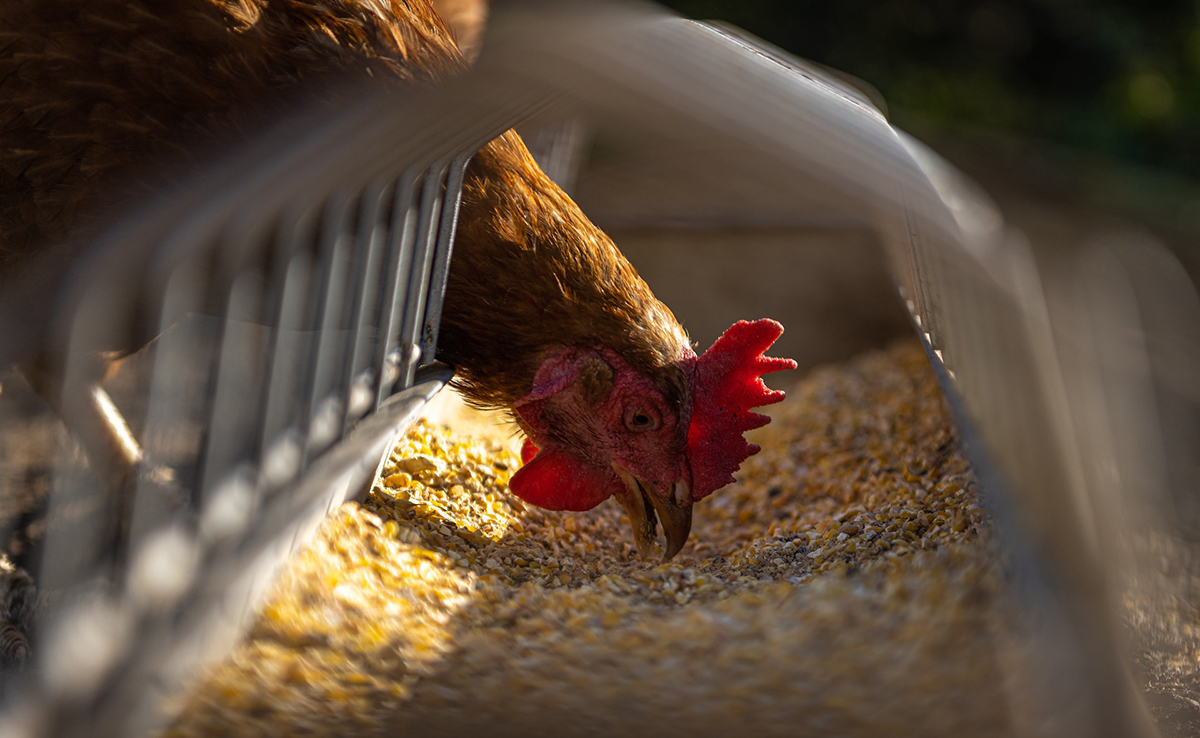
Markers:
<point>845,585</point>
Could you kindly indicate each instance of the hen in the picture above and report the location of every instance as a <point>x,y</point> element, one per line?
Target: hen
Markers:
<point>543,316</point>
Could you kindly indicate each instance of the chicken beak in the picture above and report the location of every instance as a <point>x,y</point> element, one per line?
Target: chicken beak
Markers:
<point>641,513</point>
<point>676,520</point>
<point>641,507</point>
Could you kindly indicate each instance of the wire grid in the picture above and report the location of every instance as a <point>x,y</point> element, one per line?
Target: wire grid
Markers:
<point>972,287</point>
<point>296,305</point>
<point>1041,428</point>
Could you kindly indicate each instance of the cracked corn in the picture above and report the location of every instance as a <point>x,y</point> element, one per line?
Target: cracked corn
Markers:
<point>845,585</point>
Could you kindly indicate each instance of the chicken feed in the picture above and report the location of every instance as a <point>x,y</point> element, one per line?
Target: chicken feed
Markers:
<point>847,584</point>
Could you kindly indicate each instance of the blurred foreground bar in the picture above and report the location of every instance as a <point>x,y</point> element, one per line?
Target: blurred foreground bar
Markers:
<point>742,182</point>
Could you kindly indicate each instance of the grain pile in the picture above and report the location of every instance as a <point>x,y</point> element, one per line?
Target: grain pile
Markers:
<point>1161,607</point>
<point>846,585</point>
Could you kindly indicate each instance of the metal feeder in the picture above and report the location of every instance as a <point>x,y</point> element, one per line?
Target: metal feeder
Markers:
<point>296,285</point>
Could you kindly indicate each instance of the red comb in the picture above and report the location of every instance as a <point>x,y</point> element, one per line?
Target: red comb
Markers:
<point>728,383</point>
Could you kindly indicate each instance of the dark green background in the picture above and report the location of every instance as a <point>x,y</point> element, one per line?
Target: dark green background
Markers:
<point>1115,80</point>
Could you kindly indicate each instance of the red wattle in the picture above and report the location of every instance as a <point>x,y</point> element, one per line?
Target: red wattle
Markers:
<point>559,481</point>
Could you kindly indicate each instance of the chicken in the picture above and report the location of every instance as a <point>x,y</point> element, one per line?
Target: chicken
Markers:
<point>466,20</point>
<point>543,317</point>
<point>598,373</point>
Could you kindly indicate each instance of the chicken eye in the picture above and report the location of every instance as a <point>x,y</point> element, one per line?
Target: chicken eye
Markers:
<point>641,419</point>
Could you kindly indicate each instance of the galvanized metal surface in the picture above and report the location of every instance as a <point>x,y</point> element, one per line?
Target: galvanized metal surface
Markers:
<point>295,302</point>
<point>1028,394</point>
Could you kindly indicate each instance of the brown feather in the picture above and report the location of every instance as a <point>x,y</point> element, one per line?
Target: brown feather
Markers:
<point>97,87</point>
<point>466,19</point>
<point>531,274</point>
<point>93,89</point>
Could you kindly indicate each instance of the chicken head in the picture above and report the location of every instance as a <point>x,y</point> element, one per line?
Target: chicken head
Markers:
<point>598,428</point>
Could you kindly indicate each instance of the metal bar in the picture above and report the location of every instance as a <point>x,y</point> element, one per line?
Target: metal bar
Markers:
<point>402,235</point>
<point>322,408</point>
<point>418,287</point>
<point>358,375</point>
<point>279,439</point>
<point>440,268</point>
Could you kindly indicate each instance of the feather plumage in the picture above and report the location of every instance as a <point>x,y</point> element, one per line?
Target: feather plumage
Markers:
<point>92,90</point>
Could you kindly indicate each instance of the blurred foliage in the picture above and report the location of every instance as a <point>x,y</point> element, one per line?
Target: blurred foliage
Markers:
<point>1117,79</point>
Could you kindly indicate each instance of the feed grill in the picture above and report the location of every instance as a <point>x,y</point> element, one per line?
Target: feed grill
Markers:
<point>699,131</point>
<point>292,293</point>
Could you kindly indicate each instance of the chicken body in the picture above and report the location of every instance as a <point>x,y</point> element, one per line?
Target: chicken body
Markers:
<point>543,316</point>
<point>94,92</point>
